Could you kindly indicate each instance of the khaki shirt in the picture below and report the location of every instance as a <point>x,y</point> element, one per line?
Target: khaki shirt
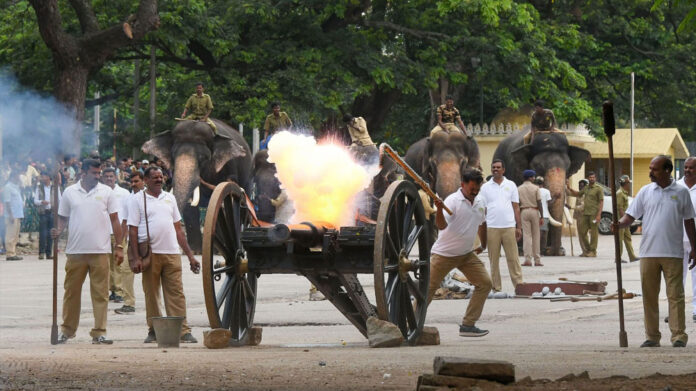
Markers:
<point>448,115</point>
<point>357,128</point>
<point>198,106</point>
<point>621,200</point>
<point>593,197</point>
<point>529,195</point>
<point>274,123</point>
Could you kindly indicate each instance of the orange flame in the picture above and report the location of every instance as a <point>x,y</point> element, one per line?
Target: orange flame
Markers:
<point>323,180</point>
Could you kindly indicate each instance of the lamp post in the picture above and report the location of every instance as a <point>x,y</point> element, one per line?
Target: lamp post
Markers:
<point>476,63</point>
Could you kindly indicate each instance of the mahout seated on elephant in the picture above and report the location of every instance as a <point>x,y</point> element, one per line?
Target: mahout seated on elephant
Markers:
<point>200,105</point>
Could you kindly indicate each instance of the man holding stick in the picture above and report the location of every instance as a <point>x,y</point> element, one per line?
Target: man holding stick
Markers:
<point>455,247</point>
<point>667,211</point>
<point>91,210</point>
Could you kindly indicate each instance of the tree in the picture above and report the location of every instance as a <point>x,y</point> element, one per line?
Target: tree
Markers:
<point>77,54</point>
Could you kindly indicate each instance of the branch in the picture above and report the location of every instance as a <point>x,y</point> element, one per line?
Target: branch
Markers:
<point>85,14</point>
<point>103,43</point>
<point>432,35</point>
<point>62,45</point>
<point>641,51</point>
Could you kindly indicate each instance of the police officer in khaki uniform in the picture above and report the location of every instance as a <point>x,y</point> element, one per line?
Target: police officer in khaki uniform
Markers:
<point>578,210</point>
<point>532,219</point>
<point>592,212</point>
<point>447,115</point>
<point>275,121</point>
<point>622,206</point>
<point>200,106</point>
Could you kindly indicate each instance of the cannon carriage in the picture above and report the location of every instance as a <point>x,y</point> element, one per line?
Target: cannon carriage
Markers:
<point>395,249</point>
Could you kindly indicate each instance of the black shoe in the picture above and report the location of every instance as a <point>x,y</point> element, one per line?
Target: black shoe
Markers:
<point>679,344</point>
<point>14,258</point>
<point>151,337</point>
<point>125,310</point>
<point>188,338</point>
<point>666,319</point>
<point>101,340</point>
<point>112,296</point>
<point>650,344</point>
<point>471,331</point>
<point>635,260</point>
<point>118,299</point>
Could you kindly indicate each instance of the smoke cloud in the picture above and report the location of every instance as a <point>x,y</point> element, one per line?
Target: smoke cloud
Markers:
<point>323,180</point>
<point>31,124</point>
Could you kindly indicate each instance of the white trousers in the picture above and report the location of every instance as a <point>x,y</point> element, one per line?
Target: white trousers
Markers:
<point>687,249</point>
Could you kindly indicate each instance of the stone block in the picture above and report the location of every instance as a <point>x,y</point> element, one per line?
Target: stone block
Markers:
<point>429,336</point>
<point>499,371</point>
<point>216,338</point>
<point>254,336</point>
<point>383,334</point>
<point>445,381</point>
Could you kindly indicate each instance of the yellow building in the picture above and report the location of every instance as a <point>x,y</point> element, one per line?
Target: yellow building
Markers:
<point>647,143</point>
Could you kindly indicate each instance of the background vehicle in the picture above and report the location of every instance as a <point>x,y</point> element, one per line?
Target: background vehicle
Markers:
<point>605,221</point>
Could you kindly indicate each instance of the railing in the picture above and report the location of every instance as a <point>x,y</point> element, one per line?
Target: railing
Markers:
<point>500,129</point>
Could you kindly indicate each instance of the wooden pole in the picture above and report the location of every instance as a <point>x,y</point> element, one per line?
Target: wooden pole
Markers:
<point>54,205</point>
<point>610,129</point>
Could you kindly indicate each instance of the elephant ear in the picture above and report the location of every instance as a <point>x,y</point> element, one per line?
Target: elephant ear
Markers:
<point>578,157</point>
<point>160,146</point>
<point>224,150</point>
<point>521,156</point>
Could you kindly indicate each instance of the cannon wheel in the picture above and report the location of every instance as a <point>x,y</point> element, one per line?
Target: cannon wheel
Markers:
<point>230,290</point>
<point>401,284</point>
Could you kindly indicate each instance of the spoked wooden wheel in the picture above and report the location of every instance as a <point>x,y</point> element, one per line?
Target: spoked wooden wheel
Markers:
<point>402,273</point>
<point>230,290</point>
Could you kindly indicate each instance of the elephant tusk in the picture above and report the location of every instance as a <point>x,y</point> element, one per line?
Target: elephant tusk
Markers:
<point>553,222</point>
<point>568,216</point>
<point>196,196</point>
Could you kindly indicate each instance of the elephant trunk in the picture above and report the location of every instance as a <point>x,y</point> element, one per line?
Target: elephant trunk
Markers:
<point>555,181</point>
<point>448,177</point>
<point>186,177</point>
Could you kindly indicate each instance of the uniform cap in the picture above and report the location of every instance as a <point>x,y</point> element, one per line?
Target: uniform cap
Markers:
<point>529,174</point>
<point>625,179</point>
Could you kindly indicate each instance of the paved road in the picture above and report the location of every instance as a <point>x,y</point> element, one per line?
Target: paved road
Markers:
<point>543,339</point>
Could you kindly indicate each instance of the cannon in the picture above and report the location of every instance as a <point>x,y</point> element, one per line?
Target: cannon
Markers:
<point>395,249</point>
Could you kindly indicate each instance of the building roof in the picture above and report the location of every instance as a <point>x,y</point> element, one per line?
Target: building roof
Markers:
<point>647,143</point>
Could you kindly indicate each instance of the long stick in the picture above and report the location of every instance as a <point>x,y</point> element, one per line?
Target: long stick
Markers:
<point>609,129</point>
<point>416,178</point>
<point>54,206</point>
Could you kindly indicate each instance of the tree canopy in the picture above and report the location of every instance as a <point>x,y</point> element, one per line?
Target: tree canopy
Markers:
<point>390,62</point>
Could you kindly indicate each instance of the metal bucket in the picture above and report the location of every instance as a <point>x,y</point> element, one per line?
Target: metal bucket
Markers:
<point>167,330</point>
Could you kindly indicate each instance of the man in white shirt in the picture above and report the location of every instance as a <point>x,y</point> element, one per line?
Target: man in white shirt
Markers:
<point>503,220</point>
<point>165,236</point>
<point>115,274</point>
<point>667,211</point>
<point>14,213</point>
<point>545,199</point>
<point>42,199</point>
<point>90,209</point>
<point>454,247</point>
<point>689,181</point>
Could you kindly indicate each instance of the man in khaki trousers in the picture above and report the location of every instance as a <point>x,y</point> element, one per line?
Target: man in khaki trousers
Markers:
<point>165,237</point>
<point>504,227</point>
<point>91,210</point>
<point>127,276</point>
<point>454,247</point>
<point>530,214</point>
<point>667,212</point>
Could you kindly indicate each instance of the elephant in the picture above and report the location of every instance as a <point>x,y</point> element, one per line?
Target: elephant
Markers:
<point>550,155</point>
<point>440,158</point>
<point>266,188</point>
<point>194,152</point>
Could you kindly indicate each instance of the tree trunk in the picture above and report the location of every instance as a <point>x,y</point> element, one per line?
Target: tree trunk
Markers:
<point>70,89</point>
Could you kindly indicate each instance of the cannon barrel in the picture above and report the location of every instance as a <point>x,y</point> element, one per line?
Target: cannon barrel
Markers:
<point>307,234</point>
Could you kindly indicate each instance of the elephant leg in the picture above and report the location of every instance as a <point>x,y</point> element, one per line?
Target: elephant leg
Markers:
<point>192,223</point>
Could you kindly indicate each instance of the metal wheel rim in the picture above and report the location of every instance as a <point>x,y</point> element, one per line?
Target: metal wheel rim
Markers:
<point>393,292</point>
<point>231,304</point>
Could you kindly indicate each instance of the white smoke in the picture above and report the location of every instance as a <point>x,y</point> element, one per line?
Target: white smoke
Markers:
<point>323,180</point>
<point>31,124</point>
